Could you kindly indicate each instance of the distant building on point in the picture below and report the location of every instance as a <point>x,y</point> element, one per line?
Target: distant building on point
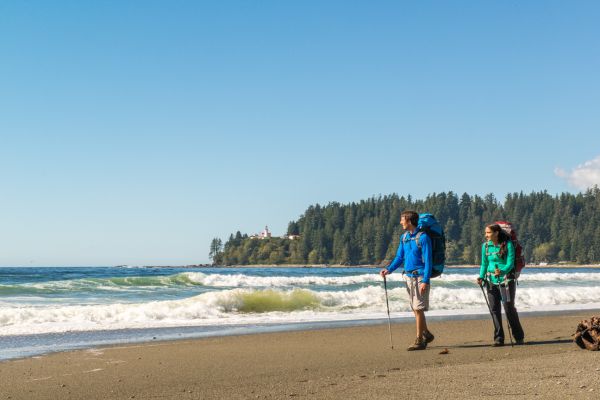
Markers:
<point>266,234</point>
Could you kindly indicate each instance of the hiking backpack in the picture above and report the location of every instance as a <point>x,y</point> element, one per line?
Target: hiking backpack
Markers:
<point>510,230</point>
<point>428,224</point>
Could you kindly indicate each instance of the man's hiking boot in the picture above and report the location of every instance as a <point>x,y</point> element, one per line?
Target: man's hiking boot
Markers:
<point>497,343</point>
<point>428,336</point>
<point>420,344</point>
<point>519,342</point>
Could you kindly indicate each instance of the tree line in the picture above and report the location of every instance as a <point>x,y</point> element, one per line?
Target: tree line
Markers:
<point>563,227</point>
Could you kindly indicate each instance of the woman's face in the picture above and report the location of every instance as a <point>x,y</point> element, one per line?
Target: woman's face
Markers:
<point>491,235</point>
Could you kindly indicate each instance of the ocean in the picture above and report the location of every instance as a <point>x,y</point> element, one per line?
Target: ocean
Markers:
<point>46,309</point>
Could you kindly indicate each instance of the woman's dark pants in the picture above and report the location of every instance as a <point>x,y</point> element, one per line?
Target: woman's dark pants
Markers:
<point>495,300</point>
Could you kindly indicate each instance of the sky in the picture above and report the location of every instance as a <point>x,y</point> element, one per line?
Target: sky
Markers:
<point>134,132</point>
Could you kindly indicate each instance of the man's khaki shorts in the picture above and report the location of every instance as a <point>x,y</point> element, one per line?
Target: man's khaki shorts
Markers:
<point>418,302</point>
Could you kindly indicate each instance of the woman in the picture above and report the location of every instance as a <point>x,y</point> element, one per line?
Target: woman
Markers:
<point>497,271</point>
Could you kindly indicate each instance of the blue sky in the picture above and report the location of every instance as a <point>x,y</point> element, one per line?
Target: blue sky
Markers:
<point>134,132</point>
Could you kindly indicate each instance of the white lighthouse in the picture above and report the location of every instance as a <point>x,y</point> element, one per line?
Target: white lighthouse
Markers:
<point>266,233</point>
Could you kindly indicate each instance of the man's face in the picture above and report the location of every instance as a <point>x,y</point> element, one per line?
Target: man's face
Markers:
<point>404,222</point>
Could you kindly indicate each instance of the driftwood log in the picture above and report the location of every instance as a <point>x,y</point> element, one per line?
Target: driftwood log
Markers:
<point>587,335</point>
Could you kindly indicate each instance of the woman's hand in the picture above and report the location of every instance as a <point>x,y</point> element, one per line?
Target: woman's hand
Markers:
<point>479,281</point>
<point>497,272</point>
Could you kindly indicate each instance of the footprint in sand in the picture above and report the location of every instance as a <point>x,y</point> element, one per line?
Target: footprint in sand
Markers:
<point>92,370</point>
<point>45,378</point>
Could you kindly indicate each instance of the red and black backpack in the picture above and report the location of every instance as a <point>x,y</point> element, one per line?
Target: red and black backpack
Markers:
<point>519,258</point>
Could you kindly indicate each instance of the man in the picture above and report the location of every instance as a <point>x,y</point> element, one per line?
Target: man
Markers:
<point>414,252</point>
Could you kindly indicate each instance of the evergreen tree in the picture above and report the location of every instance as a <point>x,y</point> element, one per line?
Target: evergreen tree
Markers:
<point>215,250</point>
<point>565,227</point>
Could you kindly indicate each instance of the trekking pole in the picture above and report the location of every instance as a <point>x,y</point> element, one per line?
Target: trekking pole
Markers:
<point>509,331</point>
<point>387,303</point>
<point>487,302</point>
<point>503,297</point>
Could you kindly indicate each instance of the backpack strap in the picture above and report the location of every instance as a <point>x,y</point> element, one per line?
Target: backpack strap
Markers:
<point>418,239</point>
<point>405,237</point>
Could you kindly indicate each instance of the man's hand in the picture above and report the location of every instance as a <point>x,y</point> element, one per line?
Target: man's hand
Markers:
<point>479,281</point>
<point>423,288</point>
<point>497,272</point>
<point>384,272</point>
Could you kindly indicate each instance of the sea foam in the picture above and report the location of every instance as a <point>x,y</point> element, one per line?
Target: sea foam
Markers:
<point>263,306</point>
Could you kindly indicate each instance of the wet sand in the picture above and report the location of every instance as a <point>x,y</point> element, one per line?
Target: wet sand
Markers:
<point>345,363</point>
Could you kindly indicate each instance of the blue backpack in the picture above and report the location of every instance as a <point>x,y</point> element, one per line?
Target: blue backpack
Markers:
<point>433,229</point>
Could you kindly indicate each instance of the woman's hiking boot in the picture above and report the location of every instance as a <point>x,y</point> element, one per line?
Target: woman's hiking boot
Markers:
<point>419,344</point>
<point>497,343</point>
<point>428,336</point>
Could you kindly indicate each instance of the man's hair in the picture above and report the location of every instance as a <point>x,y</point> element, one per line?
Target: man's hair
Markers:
<point>412,216</point>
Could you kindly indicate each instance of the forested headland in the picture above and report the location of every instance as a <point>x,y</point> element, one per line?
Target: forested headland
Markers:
<point>563,227</point>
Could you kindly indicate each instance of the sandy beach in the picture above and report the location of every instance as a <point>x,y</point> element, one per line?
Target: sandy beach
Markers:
<point>326,364</point>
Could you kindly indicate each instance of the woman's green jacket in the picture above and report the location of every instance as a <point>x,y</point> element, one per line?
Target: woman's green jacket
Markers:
<point>490,259</point>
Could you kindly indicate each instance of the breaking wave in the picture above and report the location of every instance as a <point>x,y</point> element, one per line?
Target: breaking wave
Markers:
<point>271,305</point>
<point>199,279</point>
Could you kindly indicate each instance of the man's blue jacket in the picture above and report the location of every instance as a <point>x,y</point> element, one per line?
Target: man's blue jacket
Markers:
<point>417,261</point>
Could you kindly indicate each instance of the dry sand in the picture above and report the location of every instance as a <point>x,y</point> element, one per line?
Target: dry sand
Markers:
<point>346,363</point>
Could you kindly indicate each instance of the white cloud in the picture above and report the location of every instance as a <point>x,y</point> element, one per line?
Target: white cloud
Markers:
<point>584,176</point>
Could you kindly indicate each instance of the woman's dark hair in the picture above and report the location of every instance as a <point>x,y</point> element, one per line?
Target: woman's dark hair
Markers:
<point>503,238</point>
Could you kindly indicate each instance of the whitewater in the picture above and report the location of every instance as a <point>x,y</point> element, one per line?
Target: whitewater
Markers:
<point>102,299</point>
